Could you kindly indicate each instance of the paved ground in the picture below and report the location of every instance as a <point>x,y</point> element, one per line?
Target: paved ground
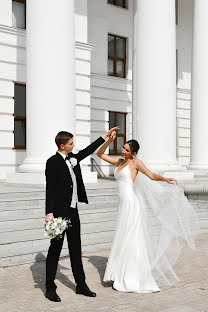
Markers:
<point>22,287</point>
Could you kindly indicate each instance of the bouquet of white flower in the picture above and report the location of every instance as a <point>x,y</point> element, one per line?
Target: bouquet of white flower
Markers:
<point>56,227</point>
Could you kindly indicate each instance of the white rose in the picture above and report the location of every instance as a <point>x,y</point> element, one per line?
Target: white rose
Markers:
<point>59,220</point>
<point>73,161</point>
<point>64,223</point>
<point>47,227</point>
<point>53,226</point>
<point>57,232</point>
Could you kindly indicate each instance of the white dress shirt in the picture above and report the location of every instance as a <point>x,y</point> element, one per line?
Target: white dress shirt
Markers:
<point>74,194</point>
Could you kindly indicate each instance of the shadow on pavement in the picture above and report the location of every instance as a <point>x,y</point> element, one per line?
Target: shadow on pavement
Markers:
<point>38,273</point>
<point>100,264</point>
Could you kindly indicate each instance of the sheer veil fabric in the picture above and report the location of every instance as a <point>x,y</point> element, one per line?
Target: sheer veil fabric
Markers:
<point>154,221</point>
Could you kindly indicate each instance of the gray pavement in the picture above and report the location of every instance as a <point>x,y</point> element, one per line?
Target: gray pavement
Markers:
<point>22,287</point>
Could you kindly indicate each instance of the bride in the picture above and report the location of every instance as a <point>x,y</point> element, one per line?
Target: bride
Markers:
<point>153,220</point>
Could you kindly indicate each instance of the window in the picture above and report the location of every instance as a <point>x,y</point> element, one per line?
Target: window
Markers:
<point>19,116</point>
<point>117,119</point>
<point>121,3</point>
<point>19,13</point>
<point>116,56</point>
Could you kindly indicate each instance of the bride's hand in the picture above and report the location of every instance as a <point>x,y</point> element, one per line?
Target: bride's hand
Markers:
<point>171,181</point>
<point>109,133</point>
<point>112,136</point>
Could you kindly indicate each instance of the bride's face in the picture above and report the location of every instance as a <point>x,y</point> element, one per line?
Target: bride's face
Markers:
<point>126,151</point>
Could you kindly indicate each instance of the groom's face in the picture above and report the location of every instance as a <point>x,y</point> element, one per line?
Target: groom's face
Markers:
<point>68,147</point>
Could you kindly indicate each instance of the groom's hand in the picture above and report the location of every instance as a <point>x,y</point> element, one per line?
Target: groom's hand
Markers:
<point>49,217</point>
<point>107,134</point>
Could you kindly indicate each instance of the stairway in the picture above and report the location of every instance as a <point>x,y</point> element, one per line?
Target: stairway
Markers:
<point>22,211</point>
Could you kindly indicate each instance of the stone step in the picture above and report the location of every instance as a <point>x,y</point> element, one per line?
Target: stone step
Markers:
<point>41,253</point>
<point>32,213</point>
<point>37,256</point>
<point>33,193</point>
<point>82,206</point>
<point>37,233</point>
<point>21,203</point>
<point>89,216</point>
<point>35,246</point>
<point>21,195</point>
<point>39,202</point>
<point>95,226</point>
<point>22,212</point>
<point>41,194</point>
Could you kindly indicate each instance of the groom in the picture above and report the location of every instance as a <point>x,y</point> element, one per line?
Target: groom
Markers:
<point>64,188</point>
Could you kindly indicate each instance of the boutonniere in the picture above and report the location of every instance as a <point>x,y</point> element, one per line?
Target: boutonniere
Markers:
<point>73,161</point>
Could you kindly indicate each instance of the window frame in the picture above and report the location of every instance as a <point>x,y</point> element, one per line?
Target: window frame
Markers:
<point>115,152</point>
<point>115,58</point>
<point>115,3</point>
<point>176,12</point>
<point>23,2</point>
<point>20,118</point>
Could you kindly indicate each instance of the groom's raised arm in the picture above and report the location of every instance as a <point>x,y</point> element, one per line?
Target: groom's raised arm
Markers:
<point>93,146</point>
<point>90,149</point>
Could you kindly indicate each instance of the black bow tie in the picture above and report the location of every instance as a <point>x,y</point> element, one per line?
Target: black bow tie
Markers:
<point>67,157</point>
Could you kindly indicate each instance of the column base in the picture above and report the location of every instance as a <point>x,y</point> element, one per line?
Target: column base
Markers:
<point>30,179</point>
<point>171,170</point>
<point>32,166</point>
<point>162,166</point>
<point>185,175</point>
<point>198,166</point>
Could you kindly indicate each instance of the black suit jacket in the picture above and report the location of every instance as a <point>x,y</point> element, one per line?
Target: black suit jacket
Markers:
<point>59,185</point>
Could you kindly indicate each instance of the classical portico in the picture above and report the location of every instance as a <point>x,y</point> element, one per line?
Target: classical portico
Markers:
<point>54,104</point>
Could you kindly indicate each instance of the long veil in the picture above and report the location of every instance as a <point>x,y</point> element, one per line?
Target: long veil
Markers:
<point>168,222</point>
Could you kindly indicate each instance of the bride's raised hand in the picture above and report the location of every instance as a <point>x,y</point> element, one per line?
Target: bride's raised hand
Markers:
<point>112,136</point>
<point>171,181</point>
<point>107,134</point>
<point>112,130</point>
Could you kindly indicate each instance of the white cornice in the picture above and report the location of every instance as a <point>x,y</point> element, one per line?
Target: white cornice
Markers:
<point>17,32</point>
<point>84,46</point>
<point>13,30</point>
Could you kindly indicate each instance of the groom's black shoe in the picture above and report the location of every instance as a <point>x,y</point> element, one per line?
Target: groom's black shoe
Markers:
<point>84,290</point>
<point>52,295</point>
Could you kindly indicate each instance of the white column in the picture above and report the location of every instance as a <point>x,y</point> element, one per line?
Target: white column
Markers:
<point>156,82</point>
<point>50,78</point>
<point>199,109</point>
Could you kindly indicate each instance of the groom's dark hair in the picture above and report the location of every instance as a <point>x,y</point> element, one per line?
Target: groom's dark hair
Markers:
<point>63,137</point>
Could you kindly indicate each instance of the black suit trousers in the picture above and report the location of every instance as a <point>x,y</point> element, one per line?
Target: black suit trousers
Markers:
<point>75,253</point>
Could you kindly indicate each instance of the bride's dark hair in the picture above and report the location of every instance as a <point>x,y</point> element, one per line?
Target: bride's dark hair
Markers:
<point>134,146</point>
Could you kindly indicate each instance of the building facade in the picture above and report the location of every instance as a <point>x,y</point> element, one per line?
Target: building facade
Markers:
<point>83,66</point>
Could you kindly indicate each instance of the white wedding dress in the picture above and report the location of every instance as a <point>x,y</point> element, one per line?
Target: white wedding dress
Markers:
<point>145,248</point>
